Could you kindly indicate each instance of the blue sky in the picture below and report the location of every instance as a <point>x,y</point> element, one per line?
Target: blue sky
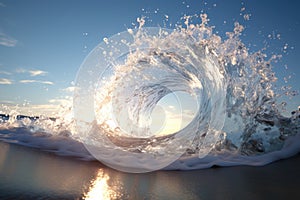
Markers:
<point>43,43</point>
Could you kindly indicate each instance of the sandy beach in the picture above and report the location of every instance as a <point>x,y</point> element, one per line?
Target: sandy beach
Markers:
<point>27,173</point>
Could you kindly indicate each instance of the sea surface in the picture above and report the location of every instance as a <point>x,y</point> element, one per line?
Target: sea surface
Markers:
<point>27,173</point>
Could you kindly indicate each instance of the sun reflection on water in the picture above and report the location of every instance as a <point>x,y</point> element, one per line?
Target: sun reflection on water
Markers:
<point>100,188</point>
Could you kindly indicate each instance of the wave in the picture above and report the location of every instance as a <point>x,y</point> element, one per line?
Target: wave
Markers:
<point>124,80</point>
<point>24,132</point>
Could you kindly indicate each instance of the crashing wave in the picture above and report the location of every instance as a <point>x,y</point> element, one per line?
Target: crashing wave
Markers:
<point>119,85</point>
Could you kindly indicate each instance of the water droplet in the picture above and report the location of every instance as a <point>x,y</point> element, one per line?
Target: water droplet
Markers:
<point>105,40</point>
<point>247,17</point>
<point>278,36</point>
<point>130,31</point>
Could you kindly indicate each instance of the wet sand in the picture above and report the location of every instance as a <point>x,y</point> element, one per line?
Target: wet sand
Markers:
<point>27,173</point>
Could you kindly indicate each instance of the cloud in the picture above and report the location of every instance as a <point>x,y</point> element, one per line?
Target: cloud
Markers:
<point>5,73</point>
<point>37,72</point>
<point>65,102</point>
<point>32,72</point>
<point>7,41</point>
<point>2,5</point>
<point>20,70</point>
<point>171,107</point>
<point>69,89</point>
<point>46,82</point>
<point>59,101</point>
<point>36,81</point>
<point>5,81</point>
<point>6,102</point>
<point>31,109</point>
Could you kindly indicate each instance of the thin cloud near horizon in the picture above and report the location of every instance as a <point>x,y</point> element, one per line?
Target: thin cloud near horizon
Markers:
<point>69,89</point>
<point>5,73</point>
<point>36,81</point>
<point>7,41</point>
<point>32,72</point>
<point>5,81</point>
<point>37,72</point>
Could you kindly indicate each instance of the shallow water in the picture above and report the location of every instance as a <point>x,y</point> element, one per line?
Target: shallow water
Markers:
<point>27,173</point>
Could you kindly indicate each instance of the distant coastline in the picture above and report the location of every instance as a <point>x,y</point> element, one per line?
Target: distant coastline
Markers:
<point>6,117</point>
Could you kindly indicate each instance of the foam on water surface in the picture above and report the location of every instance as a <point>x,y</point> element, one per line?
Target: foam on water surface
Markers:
<point>62,143</point>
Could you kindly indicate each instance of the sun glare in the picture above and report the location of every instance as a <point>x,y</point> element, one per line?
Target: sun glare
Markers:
<point>99,189</point>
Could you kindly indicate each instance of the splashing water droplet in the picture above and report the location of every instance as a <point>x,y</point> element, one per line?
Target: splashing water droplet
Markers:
<point>105,40</point>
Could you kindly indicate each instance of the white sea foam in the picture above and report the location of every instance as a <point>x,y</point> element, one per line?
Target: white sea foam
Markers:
<point>63,145</point>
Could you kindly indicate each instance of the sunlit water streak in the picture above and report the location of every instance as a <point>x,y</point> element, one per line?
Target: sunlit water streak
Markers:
<point>100,189</point>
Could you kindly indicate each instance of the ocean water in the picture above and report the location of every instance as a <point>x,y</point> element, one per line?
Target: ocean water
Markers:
<point>29,173</point>
<point>235,119</point>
